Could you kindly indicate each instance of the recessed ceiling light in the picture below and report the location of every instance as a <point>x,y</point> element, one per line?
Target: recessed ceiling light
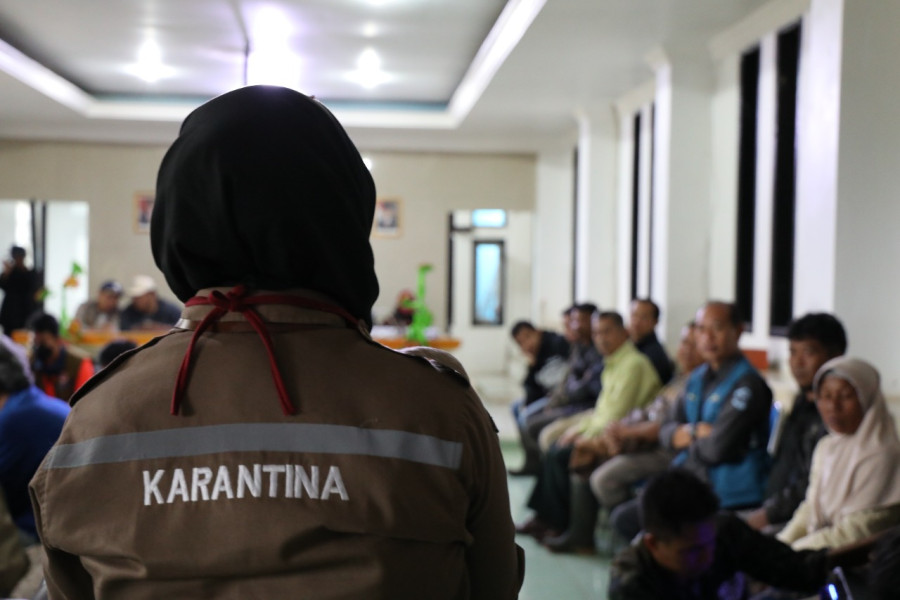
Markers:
<point>368,61</point>
<point>271,67</point>
<point>149,66</point>
<point>368,71</point>
<point>370,30</point>
<point>271,60</point>
<point>270,27</point>
<point>368,162</point>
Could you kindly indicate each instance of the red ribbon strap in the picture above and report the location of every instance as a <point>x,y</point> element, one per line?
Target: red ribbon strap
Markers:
<point>236,300</point>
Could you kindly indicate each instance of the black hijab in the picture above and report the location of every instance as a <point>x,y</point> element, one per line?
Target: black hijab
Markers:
<point>263,187</point>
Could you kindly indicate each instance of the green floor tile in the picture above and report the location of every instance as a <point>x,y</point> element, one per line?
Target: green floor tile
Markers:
<point>551,576</point>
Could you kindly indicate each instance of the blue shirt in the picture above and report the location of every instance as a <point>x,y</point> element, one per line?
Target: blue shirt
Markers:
<point>30,423</point>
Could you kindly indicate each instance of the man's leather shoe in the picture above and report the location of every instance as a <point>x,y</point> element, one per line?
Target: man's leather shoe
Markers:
<point>533,527</point>
<point>564,544</point>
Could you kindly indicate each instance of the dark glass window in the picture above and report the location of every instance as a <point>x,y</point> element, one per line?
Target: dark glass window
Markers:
<point>635,204</point>
<point>782,292</point>
<point>746,209</point>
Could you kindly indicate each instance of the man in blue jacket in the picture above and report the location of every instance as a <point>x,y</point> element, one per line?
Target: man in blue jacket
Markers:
<point>30,422</point>
<point>721,424</point>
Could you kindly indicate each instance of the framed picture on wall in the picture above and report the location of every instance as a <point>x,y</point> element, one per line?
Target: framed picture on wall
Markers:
<point>388,218</point>
<point>143,208</point>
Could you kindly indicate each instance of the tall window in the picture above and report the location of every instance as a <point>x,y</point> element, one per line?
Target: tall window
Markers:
<point>764,283</point>
<point>782,293</point>
<point>746,212</point>
<point>642,203</point>
<point>635,205</point>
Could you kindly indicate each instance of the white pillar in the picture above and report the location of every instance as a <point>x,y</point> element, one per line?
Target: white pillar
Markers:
<point>596,225</point>
<point>681,221</point>
<point>552,260</point>
<point>867,247</point>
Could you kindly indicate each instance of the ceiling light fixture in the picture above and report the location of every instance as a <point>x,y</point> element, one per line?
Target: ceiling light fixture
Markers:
<point>368,71</point>
<point>149,66</point>
<point>370,30</point>
<point>271,61</point>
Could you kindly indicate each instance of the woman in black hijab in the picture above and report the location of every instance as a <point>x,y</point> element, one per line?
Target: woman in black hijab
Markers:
<point>263,187</point>
<point>296,456</point>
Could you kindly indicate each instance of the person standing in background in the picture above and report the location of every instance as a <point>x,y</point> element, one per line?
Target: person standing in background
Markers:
<point>20,285</point>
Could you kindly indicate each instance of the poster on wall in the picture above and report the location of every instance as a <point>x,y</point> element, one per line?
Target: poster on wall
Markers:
<point>388,218</point>
<point>143,208</point>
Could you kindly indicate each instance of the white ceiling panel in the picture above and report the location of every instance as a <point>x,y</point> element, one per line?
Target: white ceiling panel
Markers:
<point>69,74</point>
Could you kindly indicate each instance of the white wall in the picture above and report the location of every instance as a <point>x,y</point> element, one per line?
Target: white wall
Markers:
<point>107,176</point>
<point>683,159</point>
<point>597,158</point>
<point>553,231</point>
<point>818,116</point>
<point>868,185</point>
<point>430,186</point>
<point>724,178</point>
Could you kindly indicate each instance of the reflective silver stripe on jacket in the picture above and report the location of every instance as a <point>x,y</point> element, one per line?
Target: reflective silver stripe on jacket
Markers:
<point>257,437</point>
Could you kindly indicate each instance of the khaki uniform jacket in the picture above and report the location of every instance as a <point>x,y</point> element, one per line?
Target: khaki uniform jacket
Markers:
<point>388,481</point>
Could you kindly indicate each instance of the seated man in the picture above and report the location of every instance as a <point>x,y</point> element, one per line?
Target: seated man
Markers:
<point>629,382</point>
<point>577,395</point>
<point>690,551</point>
<point>632,444</point>
<point>720,428</point>
<point>814,339</point>
<point>30,422</point>
<point>102,313</point>
<point>59,369</point>
<point>642,328</point>
<point>547,353</point>
<point>626,453</point>
<point>147,310</point>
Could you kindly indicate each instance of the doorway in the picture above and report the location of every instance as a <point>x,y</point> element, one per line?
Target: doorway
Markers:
<point>489,285</point>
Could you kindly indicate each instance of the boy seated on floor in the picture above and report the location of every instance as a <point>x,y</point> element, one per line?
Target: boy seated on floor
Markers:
<point>690,550</point>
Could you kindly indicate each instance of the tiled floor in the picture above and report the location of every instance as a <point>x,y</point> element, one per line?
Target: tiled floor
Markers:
<point>547,575</point>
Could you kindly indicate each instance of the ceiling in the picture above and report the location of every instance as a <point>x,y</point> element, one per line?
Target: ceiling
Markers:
<point>455,75</point>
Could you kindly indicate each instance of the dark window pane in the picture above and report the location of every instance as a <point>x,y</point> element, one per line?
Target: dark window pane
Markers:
<point>746,213</point>
<point>635,203</point>
<point>782,298</point>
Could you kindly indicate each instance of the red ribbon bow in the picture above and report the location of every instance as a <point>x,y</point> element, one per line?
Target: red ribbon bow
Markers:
<point>236,300</point>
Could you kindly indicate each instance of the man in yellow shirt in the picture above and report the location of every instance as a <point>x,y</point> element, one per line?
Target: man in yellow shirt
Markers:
<point>629,382</point>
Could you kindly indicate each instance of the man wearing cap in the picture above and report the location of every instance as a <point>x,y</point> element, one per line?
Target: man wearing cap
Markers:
<point>102,313</point>
<point>267,447</point>
<point>147,310</point>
